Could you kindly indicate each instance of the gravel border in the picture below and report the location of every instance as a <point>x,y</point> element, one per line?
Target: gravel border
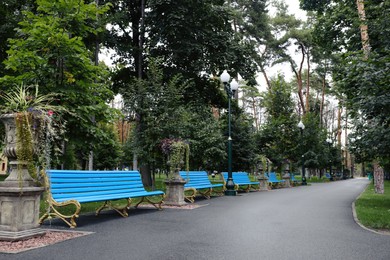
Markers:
<point>51,237</point>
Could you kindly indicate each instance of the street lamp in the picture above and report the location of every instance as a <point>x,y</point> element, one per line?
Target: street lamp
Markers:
<point>302,126</point>
<point>329,141</point>
<point>230,90</point>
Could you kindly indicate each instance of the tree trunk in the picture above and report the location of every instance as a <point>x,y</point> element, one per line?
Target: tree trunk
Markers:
<point>379,179</point>
<point>307,105</point>
<point>265,76</point>
<point>146,175</point>
<point>363,27</point>
<point>322,101</point>
<point>255,113</point>
<point>339,125</point>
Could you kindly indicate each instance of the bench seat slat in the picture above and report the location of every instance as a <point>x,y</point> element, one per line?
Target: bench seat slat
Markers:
<point>93,191</point>
<point>89,180</point>
<point>111,196</point>
<point>101,184</point>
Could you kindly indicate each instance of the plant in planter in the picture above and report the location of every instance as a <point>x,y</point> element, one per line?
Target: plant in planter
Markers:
<point>26,115</point>
<point>178,152</point>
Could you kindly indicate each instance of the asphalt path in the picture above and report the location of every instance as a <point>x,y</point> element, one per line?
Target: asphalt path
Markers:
<point>307,222</point>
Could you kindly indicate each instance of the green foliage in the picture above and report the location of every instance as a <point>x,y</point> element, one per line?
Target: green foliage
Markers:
<point>10,16</point>
<point>278,137</point>
<point>314,5</point>
<point>108,152</point>
<point>24,144</point>
<point>364,81</point>
<point>69,159</point>
<point>33,112</point>
<point>163,113</point>
<point>22,99</point>
<point>178,152</point>
<point>49,50</point>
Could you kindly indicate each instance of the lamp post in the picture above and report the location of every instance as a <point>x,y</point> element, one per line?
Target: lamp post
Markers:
<point>302,126</point>
<point>329,141</point>
<point>230,90</point>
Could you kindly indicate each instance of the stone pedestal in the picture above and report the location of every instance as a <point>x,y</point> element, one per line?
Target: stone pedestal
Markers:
<point>175,192</point>
<point>286,178</point>
<point>263,183</point>
<point>19,213</point>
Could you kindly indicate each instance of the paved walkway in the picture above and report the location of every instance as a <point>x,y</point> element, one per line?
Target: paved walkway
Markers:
<point>312,222</point>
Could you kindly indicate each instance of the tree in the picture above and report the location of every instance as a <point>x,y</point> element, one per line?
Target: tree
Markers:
<point>360,73</point>
<point>166,114</point>
<point>108,150</point>
<point>10,15</point>
<point>49,51</point>
<point>290,30</point>
<point>277,138</point>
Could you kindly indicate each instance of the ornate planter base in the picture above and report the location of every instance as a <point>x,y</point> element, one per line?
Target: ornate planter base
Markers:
<point>286,179</point>
<point>175,192</point>
<point>263,183</point>
<point>19,213</point>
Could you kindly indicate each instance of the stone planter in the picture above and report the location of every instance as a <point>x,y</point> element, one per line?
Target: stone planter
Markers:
<point>286,178</point>
<point>19,194</point>
<point>263,182</point>
<point>19,176</point>
<point>174,194</point>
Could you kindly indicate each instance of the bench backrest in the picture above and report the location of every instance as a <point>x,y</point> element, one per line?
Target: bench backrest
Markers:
<point>67,184</point>
<point>238,177</point>
<point>272,176</point>
<point>195,178</point>
<point>293,177</point>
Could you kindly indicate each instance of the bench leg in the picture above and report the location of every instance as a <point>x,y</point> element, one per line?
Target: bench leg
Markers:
<point>219,191</point>
<point>255,187</point>
<point>122,211</point>
<point>190,197</point>
<point>157,205</point>
<point>53,212</point>
<point>247,188</point>
<point>206,194</point>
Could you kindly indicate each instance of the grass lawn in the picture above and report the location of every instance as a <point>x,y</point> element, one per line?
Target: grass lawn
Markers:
<point>373,210</point>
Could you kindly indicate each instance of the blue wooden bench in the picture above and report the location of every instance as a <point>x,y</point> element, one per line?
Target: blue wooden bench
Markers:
<point>273,180</point>
<point>293,180</point>
<point>73,187</point>
<point>241,181</point>
<point>327,175</point>
<point>198,182</point>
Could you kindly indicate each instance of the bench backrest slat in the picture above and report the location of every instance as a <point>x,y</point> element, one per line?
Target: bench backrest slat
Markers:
<point>272,177</point>
<point>195,178</point>
<point>238,177</point>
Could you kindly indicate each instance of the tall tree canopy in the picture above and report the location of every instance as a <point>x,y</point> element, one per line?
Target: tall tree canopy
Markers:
<point>49,50</point>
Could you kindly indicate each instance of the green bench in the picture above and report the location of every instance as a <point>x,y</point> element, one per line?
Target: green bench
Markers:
<point>73,187</point>
<point>241,181</point>
<point>198,183</point>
